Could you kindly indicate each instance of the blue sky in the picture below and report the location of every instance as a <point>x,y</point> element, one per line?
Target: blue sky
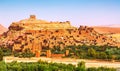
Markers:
<point>79,12</point>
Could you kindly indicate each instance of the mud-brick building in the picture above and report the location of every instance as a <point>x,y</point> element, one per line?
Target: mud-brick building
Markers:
<point>38,34</point>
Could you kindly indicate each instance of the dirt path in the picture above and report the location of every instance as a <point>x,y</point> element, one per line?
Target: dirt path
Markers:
<point>88,63</point>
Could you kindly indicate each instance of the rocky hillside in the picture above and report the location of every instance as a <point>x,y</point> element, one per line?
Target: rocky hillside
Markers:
<point>39,34</point>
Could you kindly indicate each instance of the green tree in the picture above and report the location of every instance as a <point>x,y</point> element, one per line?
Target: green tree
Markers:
<point>81,66</point>
<point>91,53</point>
<point>1,55</point>
<point>27,53</point>
<point>6,51</point>
<point>102,55</point>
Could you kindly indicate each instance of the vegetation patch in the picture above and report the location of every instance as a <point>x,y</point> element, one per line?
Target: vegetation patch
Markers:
<point>45,66</point>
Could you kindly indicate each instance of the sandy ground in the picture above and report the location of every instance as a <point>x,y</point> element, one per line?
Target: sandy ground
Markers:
<point>88,63</point>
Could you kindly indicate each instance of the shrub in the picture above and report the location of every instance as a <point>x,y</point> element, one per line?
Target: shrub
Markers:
<point>81,66</point>
<point>6,51</point>
<point>3,66</point>
<point>26,54</point>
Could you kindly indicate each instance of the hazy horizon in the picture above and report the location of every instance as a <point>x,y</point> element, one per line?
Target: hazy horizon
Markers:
<point>78,12</point>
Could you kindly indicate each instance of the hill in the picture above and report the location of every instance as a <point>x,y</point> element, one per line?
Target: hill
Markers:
<point>38,35</point>
<point>112,25</point>
<point>107,30</point>
<point>2,29</point>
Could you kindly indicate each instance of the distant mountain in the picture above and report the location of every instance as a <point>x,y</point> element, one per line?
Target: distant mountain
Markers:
<point>2,29</point>
<point>114,25</point>
<point>107,29</point>
<point>111,25</point>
